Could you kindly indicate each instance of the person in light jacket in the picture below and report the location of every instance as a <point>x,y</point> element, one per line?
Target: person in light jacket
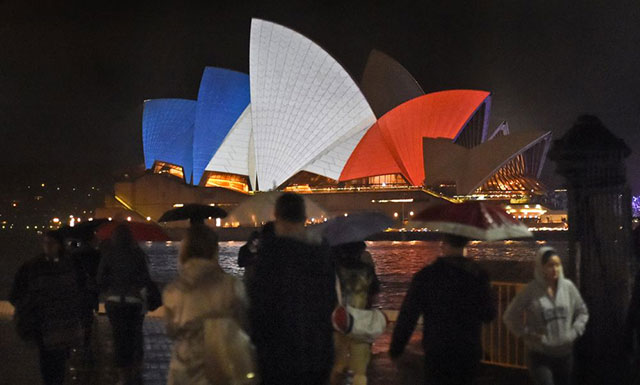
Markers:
<point>202,291</point>
<point>358,285</point>
<point>549,315</point>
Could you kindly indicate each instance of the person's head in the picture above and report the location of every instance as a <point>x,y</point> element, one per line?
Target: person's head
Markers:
<point>550,264</point>
<point>290,213</point>
<point>290,208</point>
<point>453,244</point>
<point>53,244</point>
<point>199,242</point>
<point>122,237</point>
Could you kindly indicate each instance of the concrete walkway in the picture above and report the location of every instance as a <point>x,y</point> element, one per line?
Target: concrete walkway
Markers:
<point>20,362</point>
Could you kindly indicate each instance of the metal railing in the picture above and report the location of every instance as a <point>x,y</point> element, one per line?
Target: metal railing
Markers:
<point>500,347</point>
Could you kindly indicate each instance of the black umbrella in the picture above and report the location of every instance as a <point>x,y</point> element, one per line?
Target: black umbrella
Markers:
<point>195,212</point>
<point>353,228</point>
<point>82,231</point>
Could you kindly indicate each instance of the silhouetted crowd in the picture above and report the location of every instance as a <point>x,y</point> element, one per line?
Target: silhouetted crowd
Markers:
<point>303,314</point>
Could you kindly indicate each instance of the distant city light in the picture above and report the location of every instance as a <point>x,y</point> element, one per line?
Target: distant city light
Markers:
<point>346,215</point>
<point>56,220</point>
<point>178,205</point>
<point>42,185</point>
<point>218,222</point>
<point>90,219</point>
<point>128,219</point>
<point>395,215</point>
<point>148,218</point>
<point>110,219</point>
<point>411,213</point>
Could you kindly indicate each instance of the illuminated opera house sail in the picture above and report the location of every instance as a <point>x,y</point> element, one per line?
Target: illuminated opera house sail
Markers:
<point>298,121</point>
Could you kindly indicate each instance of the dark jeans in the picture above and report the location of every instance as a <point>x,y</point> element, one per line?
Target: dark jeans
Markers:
<point>546,370</point>
<point>126,323</point>
<point>450,369</point>
<point>53,365</point>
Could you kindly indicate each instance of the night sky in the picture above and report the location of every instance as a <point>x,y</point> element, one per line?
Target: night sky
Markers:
<point>73,76</point>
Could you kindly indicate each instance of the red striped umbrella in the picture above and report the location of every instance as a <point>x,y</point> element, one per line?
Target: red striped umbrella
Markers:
<point>141,231</point>
<point>473,219</point>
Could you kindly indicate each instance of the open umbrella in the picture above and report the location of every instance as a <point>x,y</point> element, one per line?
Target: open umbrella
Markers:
<point>82,230</point>
<point>195,212</point>
<point>352,228</point>
<point>474,220</point>
<point>259,208</point>
<point>141,231</point>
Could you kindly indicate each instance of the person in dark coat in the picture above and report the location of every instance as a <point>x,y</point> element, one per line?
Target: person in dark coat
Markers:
<point>454,297</point>
<point>122,276</point>
<point>87,259</point>
<point>45,294</point>
<point>292,297</point>
<point>248,253</point>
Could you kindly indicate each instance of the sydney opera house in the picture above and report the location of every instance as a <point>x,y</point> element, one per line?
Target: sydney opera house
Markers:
<point>298,121</point>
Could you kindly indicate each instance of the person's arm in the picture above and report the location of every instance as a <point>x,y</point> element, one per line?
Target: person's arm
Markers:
<point>513,316</point>
<point>374,288</point>
<point>19,286</point>
<point>241,305</point>
<point>487,301</point>
<point>103,278</point>
<point>170,300</point>
<point>580,312</point>
<point>407,319</point>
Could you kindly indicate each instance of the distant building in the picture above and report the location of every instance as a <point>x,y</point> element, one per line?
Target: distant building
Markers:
<point>299,122</point>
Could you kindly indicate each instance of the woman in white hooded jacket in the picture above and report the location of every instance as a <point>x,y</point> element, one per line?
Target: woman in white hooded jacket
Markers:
<point>549,315</point>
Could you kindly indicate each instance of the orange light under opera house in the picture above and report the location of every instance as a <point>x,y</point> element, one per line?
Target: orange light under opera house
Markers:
<point>228,181</point>
<point>168,168</point>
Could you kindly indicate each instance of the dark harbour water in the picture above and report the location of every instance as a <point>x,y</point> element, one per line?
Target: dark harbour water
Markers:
<point>396,261</point>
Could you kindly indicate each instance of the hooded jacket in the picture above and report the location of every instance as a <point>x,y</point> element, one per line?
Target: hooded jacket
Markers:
<point>292,297</point>
<point>559,321</point>
<point>201,291</point>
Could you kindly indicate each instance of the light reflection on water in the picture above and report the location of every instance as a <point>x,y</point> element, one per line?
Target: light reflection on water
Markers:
<point>396,261</point>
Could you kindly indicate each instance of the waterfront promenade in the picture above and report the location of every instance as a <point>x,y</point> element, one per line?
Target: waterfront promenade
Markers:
<point>396,262</point>
<point>20,363</point>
